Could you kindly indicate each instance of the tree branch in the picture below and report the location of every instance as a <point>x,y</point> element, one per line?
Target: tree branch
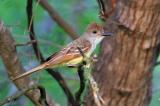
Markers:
<point>103,14</point>
<point>82,84</point>
<point>58,19</point>
<point>31,30</point>
<point>25,44</point>
<point>20,93</point>
<point>39,55</point>
<point>13,65</point>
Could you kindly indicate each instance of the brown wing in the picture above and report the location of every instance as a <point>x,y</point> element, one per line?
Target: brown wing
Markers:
<point>69,52</point>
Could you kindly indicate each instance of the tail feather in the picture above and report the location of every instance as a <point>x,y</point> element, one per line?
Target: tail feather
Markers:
<point>38,68</point>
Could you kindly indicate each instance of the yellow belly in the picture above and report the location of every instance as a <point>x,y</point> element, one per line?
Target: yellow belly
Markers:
<point>75,61</point>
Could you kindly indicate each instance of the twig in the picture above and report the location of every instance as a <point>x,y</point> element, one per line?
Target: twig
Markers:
<point>95,91</point>
<point>63,85</point>
<point>103,14</point>
<point>58,19</point>
<point>31,29</point>
<point>25,44</point>
<point>38,54</point>
<point>82,84</point>
<point>22,92</point>
<point>43,97</point>
<point>101,6</point>
<point>102,10</point>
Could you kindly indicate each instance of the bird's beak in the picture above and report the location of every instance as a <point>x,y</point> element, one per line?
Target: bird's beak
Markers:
<point>107,34</point>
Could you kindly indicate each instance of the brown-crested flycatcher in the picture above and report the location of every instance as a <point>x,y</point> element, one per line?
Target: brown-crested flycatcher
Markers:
<point>70,55</point>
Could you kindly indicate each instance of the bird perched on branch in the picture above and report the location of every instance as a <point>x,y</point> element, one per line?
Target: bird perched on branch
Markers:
<point>70,54</point>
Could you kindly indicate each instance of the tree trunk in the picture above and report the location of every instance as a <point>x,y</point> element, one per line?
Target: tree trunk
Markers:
<point>123,71</point>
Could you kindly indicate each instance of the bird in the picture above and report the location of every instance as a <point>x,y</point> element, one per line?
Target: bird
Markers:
<point>70,55</point>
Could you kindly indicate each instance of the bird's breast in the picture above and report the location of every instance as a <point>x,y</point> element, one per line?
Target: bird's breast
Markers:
<point>78,60</point>
<point>75,61</point>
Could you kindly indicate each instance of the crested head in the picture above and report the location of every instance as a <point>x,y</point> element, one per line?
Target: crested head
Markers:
<point>95,33</point>
<point>94,26</point>
<point>96,30</point>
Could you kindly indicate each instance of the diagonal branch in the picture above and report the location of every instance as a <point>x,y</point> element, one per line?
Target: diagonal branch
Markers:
<point>38,54</point>
<point>13,65</point>
<point>58,19</point>
<point>20,93</point>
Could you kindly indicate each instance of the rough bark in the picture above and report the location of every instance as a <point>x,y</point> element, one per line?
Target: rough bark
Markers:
<point>123,71</point>
<point>14,67</point>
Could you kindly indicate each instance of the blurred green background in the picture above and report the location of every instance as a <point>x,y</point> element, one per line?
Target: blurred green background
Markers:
<point>79,13</point>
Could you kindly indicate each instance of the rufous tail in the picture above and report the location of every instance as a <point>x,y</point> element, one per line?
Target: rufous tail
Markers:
<point>38,68</point>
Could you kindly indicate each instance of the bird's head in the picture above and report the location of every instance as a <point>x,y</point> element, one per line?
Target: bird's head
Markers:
<point>96,30</point>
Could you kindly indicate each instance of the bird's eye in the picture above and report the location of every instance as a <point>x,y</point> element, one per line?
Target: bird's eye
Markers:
<point>94,31</point>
